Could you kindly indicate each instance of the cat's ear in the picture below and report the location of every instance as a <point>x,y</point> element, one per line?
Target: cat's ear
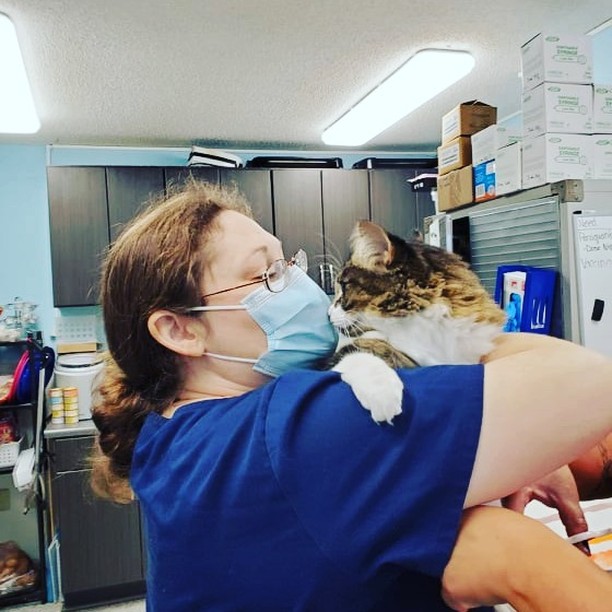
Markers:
<point>370,246</point>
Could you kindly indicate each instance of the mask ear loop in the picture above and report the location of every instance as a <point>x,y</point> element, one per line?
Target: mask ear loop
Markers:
<point>229,358</point>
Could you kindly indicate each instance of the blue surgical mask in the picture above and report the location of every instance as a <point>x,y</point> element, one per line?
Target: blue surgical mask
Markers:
<point>295,322</point>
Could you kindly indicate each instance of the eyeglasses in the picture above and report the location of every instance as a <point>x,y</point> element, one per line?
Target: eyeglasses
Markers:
<point>274,278</point>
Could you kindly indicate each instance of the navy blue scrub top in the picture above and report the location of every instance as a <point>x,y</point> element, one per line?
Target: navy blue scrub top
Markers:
<point>291,497</point>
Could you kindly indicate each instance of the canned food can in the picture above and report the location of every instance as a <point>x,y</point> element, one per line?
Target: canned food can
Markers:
<point>71,420</point>
<point>56,392</point>
<point>58,420</point>
<point>70,392</point>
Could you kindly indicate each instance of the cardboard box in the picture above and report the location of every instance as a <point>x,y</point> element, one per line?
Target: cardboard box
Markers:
<point>556,157</point>
<point>558,108</point>
<point>484,181</point>
<point>602,155</point>
<point>466,119</point>
<point>455,189</point>
<point>558,58</point>
<point>455,154</point>
<point>487,142</point>
<point>602,109</point>
<point>508,169</point>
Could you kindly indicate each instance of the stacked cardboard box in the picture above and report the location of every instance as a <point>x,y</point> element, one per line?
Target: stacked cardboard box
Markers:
<point>494,153</point>
<point>455,172</point>
<point>601,142</point>
<point>558,110</point>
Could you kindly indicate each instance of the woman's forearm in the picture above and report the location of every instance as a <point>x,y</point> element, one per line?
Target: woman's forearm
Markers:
<point>503,556</point>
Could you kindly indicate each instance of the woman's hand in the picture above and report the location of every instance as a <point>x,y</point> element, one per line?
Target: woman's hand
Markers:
<point>557,490</point>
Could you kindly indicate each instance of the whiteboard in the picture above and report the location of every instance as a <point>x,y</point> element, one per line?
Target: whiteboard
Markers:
<point>593,248</point>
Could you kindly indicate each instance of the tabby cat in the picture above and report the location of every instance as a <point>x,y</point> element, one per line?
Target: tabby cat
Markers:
<point>405,304</point>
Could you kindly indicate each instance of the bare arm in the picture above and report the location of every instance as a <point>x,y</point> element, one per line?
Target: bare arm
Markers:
<point>546,402</point>
<point>503,556</point>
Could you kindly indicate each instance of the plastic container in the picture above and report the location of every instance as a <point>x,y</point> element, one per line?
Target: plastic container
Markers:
<point>9,453</point>
<point>79,370</point>
<point>537,301</point>
<point>600,546</point>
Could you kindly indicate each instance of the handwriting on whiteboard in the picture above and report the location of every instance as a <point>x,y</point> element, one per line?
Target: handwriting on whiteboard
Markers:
<point>594,236</point>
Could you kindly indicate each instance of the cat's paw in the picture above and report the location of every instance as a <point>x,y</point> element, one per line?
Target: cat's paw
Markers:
<point>377,386</point>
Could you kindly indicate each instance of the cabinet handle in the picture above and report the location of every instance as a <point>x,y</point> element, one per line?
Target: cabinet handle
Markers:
<point>327,277</point>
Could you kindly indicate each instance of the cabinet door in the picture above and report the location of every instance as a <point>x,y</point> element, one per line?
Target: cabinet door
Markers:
<point>100,541</point>
<point>298,214</point>
<point>345,201</point>
<point>128,189</point>
<point>256,186</point>
<point>177,175</point>
<point>79,233</point>
<point>392,201</point>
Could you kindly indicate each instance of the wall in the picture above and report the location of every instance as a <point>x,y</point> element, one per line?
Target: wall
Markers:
<point>25,264</point>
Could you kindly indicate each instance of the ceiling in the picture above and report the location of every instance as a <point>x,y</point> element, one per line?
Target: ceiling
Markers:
<point>261,74</point>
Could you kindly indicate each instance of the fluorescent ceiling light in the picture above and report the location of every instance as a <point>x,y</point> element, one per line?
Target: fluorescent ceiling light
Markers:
<point>422,77</point>
<point>17,112</point>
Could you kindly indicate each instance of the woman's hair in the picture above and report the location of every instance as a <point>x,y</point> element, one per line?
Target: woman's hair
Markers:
<point>156,263</point>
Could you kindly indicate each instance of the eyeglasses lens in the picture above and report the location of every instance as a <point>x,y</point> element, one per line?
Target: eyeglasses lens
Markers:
<point>275,276</point>
<point>301,260</point>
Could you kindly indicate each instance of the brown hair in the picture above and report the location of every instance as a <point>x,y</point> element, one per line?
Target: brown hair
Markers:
<point>156,263</point>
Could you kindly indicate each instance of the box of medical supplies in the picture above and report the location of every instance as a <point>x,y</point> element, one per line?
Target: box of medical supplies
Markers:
<point>486,143</point>
<point>558,58</point>
<point>455,154</point>
<point>601,147</point>
<point>530,305</point>
<point>484,181</point>
<point>455,189</point>
<point>466,119</point>
<point>556,157</point>
<point>602,109</point>
<point>558,107</point>
<point>508,169</point>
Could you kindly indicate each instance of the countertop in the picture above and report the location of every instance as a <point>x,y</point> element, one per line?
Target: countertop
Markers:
<point>82,428</point>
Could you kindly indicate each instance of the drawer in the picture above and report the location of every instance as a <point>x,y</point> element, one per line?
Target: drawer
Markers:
<point>71,454</point>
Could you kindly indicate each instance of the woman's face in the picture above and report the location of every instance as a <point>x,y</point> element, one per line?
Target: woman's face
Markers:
<point>240,252</point>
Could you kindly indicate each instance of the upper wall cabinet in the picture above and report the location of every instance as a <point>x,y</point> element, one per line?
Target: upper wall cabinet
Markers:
<point>307,208</point>
<point>393,203</point>
<point>78,219</point>
<point>88,206</point>
<point>129,190</point>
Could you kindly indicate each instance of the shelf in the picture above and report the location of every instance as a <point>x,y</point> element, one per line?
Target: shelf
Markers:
<point>34,594</point>
<point>16,406</point>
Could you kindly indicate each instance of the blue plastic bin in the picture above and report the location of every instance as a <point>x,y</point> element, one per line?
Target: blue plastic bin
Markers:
<point>537,307</point>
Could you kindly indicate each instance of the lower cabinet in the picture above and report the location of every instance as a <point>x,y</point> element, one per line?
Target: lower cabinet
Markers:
<point>101,544</point>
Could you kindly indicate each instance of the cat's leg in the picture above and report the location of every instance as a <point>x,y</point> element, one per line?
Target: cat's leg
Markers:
<point>375,384</point>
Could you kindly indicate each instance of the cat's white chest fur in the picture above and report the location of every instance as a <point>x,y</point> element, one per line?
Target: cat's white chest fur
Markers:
<point>434,337</point>
<point>430,337</point>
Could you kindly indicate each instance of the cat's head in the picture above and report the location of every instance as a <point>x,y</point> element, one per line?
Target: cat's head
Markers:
<point>386,276</point>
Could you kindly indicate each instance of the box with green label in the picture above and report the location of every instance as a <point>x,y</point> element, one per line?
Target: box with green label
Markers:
<point>601,146</point>
<point>556,157</point>
<point>558,107</point>
<point>602,109</point>
<point>559,58</point>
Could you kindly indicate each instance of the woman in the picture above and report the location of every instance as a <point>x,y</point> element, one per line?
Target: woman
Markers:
<point>266,486</point>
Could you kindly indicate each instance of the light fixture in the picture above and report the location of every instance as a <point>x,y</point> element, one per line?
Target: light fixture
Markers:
<point>423,76</point>
<point>17,112</point>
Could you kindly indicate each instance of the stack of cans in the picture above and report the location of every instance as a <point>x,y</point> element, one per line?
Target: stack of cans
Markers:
<point>56,403</point>
<point>71,405</point>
